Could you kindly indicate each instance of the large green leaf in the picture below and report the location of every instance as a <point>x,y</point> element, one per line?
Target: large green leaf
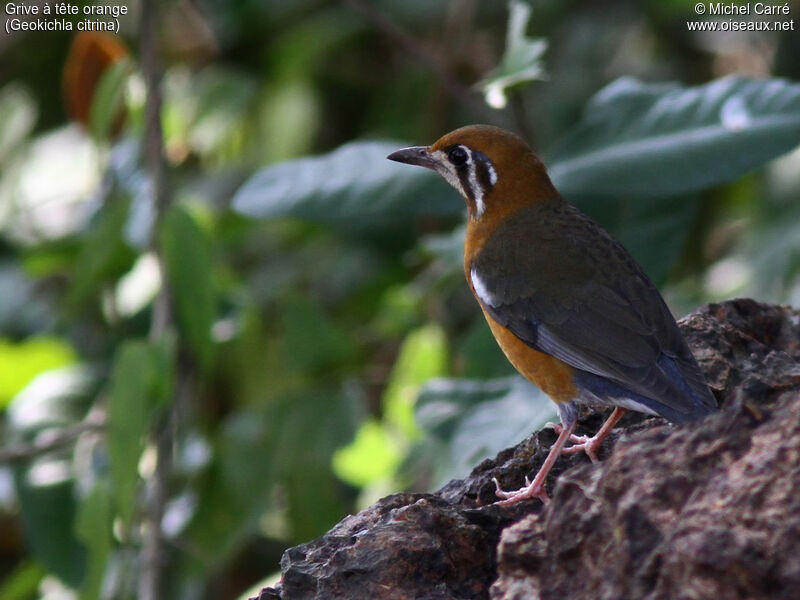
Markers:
<point>140,383</point>
<point>656,140</point>
<point>351,183</point>
<point>188,259</point>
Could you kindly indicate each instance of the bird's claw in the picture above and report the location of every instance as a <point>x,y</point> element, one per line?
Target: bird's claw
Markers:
<point>527,492</point>
<point>584,443</point>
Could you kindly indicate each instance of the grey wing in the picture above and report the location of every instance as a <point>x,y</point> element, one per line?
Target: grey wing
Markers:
<point>566,298</point>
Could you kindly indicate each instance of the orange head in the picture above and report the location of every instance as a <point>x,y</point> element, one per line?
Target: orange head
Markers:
<point>493,169</point>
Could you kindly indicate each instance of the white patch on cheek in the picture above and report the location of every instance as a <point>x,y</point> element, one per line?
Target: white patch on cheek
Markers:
<point>449,174</point>
<point>476,193</point>
<point>481,290</point>
<point>480,205</point>
<point>492,174</point>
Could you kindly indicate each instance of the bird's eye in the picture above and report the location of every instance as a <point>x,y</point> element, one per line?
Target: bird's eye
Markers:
<point>458,156</point>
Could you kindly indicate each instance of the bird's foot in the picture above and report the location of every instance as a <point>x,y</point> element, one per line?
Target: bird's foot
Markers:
<point>535,488</point>
<point>585,443</point>
<point>530,490</point>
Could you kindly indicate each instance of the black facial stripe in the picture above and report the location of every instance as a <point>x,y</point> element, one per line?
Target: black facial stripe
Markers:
<point>483,167</point>
<point>463,177</point>
<point>475,174</point>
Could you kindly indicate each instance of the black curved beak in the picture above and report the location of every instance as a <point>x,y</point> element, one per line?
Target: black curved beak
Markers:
<point>415,155</point>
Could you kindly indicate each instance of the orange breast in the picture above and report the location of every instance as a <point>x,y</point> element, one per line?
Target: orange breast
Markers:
<point>549,374</point>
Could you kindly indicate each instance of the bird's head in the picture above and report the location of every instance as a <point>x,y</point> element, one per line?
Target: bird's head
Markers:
<point>493,169</point>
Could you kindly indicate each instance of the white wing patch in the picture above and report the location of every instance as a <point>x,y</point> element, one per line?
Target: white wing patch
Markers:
<point>480,288</point>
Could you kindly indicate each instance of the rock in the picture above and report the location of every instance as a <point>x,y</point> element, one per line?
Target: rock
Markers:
<point>405,546</point>
<point>711,509</point>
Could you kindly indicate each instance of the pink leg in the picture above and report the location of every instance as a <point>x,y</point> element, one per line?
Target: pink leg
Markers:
<point>535,489</point>
<point>591,445</point>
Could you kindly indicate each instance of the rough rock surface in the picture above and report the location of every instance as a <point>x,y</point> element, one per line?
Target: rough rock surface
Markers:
<point>709,510</point>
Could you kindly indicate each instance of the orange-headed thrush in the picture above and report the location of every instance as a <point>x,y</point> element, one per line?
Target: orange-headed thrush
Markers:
<point>570,308</point>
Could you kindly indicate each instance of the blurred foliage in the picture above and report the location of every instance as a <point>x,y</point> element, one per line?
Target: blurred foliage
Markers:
<point>320,342</point>
<point>30,357</point>
<point>522,59</point>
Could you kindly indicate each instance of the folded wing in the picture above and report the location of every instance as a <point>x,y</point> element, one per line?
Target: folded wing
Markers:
<point>584,300</point>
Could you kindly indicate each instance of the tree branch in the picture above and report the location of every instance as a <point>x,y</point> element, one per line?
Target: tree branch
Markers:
<point>51,440</point>
<point>162,434</point>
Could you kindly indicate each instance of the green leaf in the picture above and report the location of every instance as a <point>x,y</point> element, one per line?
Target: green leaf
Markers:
<point>139,382</point>
<point>222,99</point>
<point>45,485</point>
<point>654,140</point>
<point>93,528</point>
<point>422,356</point>
<point>447,247</point>
<point>103,256</point>
<point>51,256</point>
<point>377,450</point>
<point>47,504</point>
<point>522,59</point>
<point>189,266</point>
<point>374,454</point>
<point>55,398</point>
<point>656,232</point>
<point>313,341</point>
<point>765,266</point>
<point>477,353</point>
<point>308,426</point>
<point>22,582</point>
<point>468,421</point>
<point>353,183</point>
<point>29,358</point>
<point>108,99</point>
<point>293,440</point>
<point>17,117</point>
